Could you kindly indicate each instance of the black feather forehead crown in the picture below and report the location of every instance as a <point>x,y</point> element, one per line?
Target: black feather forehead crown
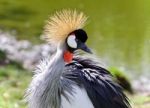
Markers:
<point>62,23</point>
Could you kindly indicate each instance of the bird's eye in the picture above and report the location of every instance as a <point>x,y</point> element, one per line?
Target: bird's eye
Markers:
<point>71,41</point>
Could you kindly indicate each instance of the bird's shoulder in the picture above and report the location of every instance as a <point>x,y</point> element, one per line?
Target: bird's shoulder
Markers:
<point>86,69</point>
<point>98,83</point>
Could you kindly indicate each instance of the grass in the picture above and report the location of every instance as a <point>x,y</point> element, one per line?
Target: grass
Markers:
<point>13,83</point>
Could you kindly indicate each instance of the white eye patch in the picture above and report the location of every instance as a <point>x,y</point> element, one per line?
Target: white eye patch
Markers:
<point>71,41</point>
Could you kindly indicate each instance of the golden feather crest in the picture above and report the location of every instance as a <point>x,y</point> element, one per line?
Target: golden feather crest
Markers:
<point>62,23</point>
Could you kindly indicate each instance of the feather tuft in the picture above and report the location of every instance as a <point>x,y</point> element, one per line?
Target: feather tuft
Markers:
<point>62,23</point>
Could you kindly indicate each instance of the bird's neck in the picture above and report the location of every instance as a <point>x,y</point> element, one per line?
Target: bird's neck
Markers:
<point>52,77</point>
<point>56,64</point>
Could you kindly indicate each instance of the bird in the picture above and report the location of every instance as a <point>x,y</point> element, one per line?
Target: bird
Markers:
<point>69,80</point>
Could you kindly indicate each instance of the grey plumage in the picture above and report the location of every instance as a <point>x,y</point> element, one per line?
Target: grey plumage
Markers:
<point>44,90</point>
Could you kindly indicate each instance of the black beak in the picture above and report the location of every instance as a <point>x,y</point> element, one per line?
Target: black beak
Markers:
<point>84,47</point>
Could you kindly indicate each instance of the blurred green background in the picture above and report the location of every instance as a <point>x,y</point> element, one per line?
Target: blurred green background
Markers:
<point>119,33</point>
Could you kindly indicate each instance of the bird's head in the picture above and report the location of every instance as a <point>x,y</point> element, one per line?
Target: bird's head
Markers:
<point>65,30</point>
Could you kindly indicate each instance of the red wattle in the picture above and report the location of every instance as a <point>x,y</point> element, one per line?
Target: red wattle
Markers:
<point>68,56</point>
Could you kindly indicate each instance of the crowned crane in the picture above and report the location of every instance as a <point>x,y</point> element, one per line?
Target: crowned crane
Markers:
<point>68,81</point>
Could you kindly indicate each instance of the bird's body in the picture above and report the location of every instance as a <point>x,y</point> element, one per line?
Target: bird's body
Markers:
<point>79,83</point>
<point>79,99</point>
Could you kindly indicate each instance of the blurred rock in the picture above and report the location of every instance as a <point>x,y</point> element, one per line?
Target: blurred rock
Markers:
<point>142,85</point>
<point>23,51</point>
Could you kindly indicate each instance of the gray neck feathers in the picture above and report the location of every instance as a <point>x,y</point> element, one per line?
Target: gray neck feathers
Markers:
<point>44,90</point>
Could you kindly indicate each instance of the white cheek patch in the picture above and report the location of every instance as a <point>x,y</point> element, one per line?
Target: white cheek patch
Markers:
<point>71,41</point>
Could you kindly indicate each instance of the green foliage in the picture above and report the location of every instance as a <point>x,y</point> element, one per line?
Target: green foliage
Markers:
<point>2,55</point>
<point>16,64</point>
<point>122,79</point>
<point>117,72</point>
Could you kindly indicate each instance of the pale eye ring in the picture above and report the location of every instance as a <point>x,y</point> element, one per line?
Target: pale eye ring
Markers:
<point>71,41</point>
